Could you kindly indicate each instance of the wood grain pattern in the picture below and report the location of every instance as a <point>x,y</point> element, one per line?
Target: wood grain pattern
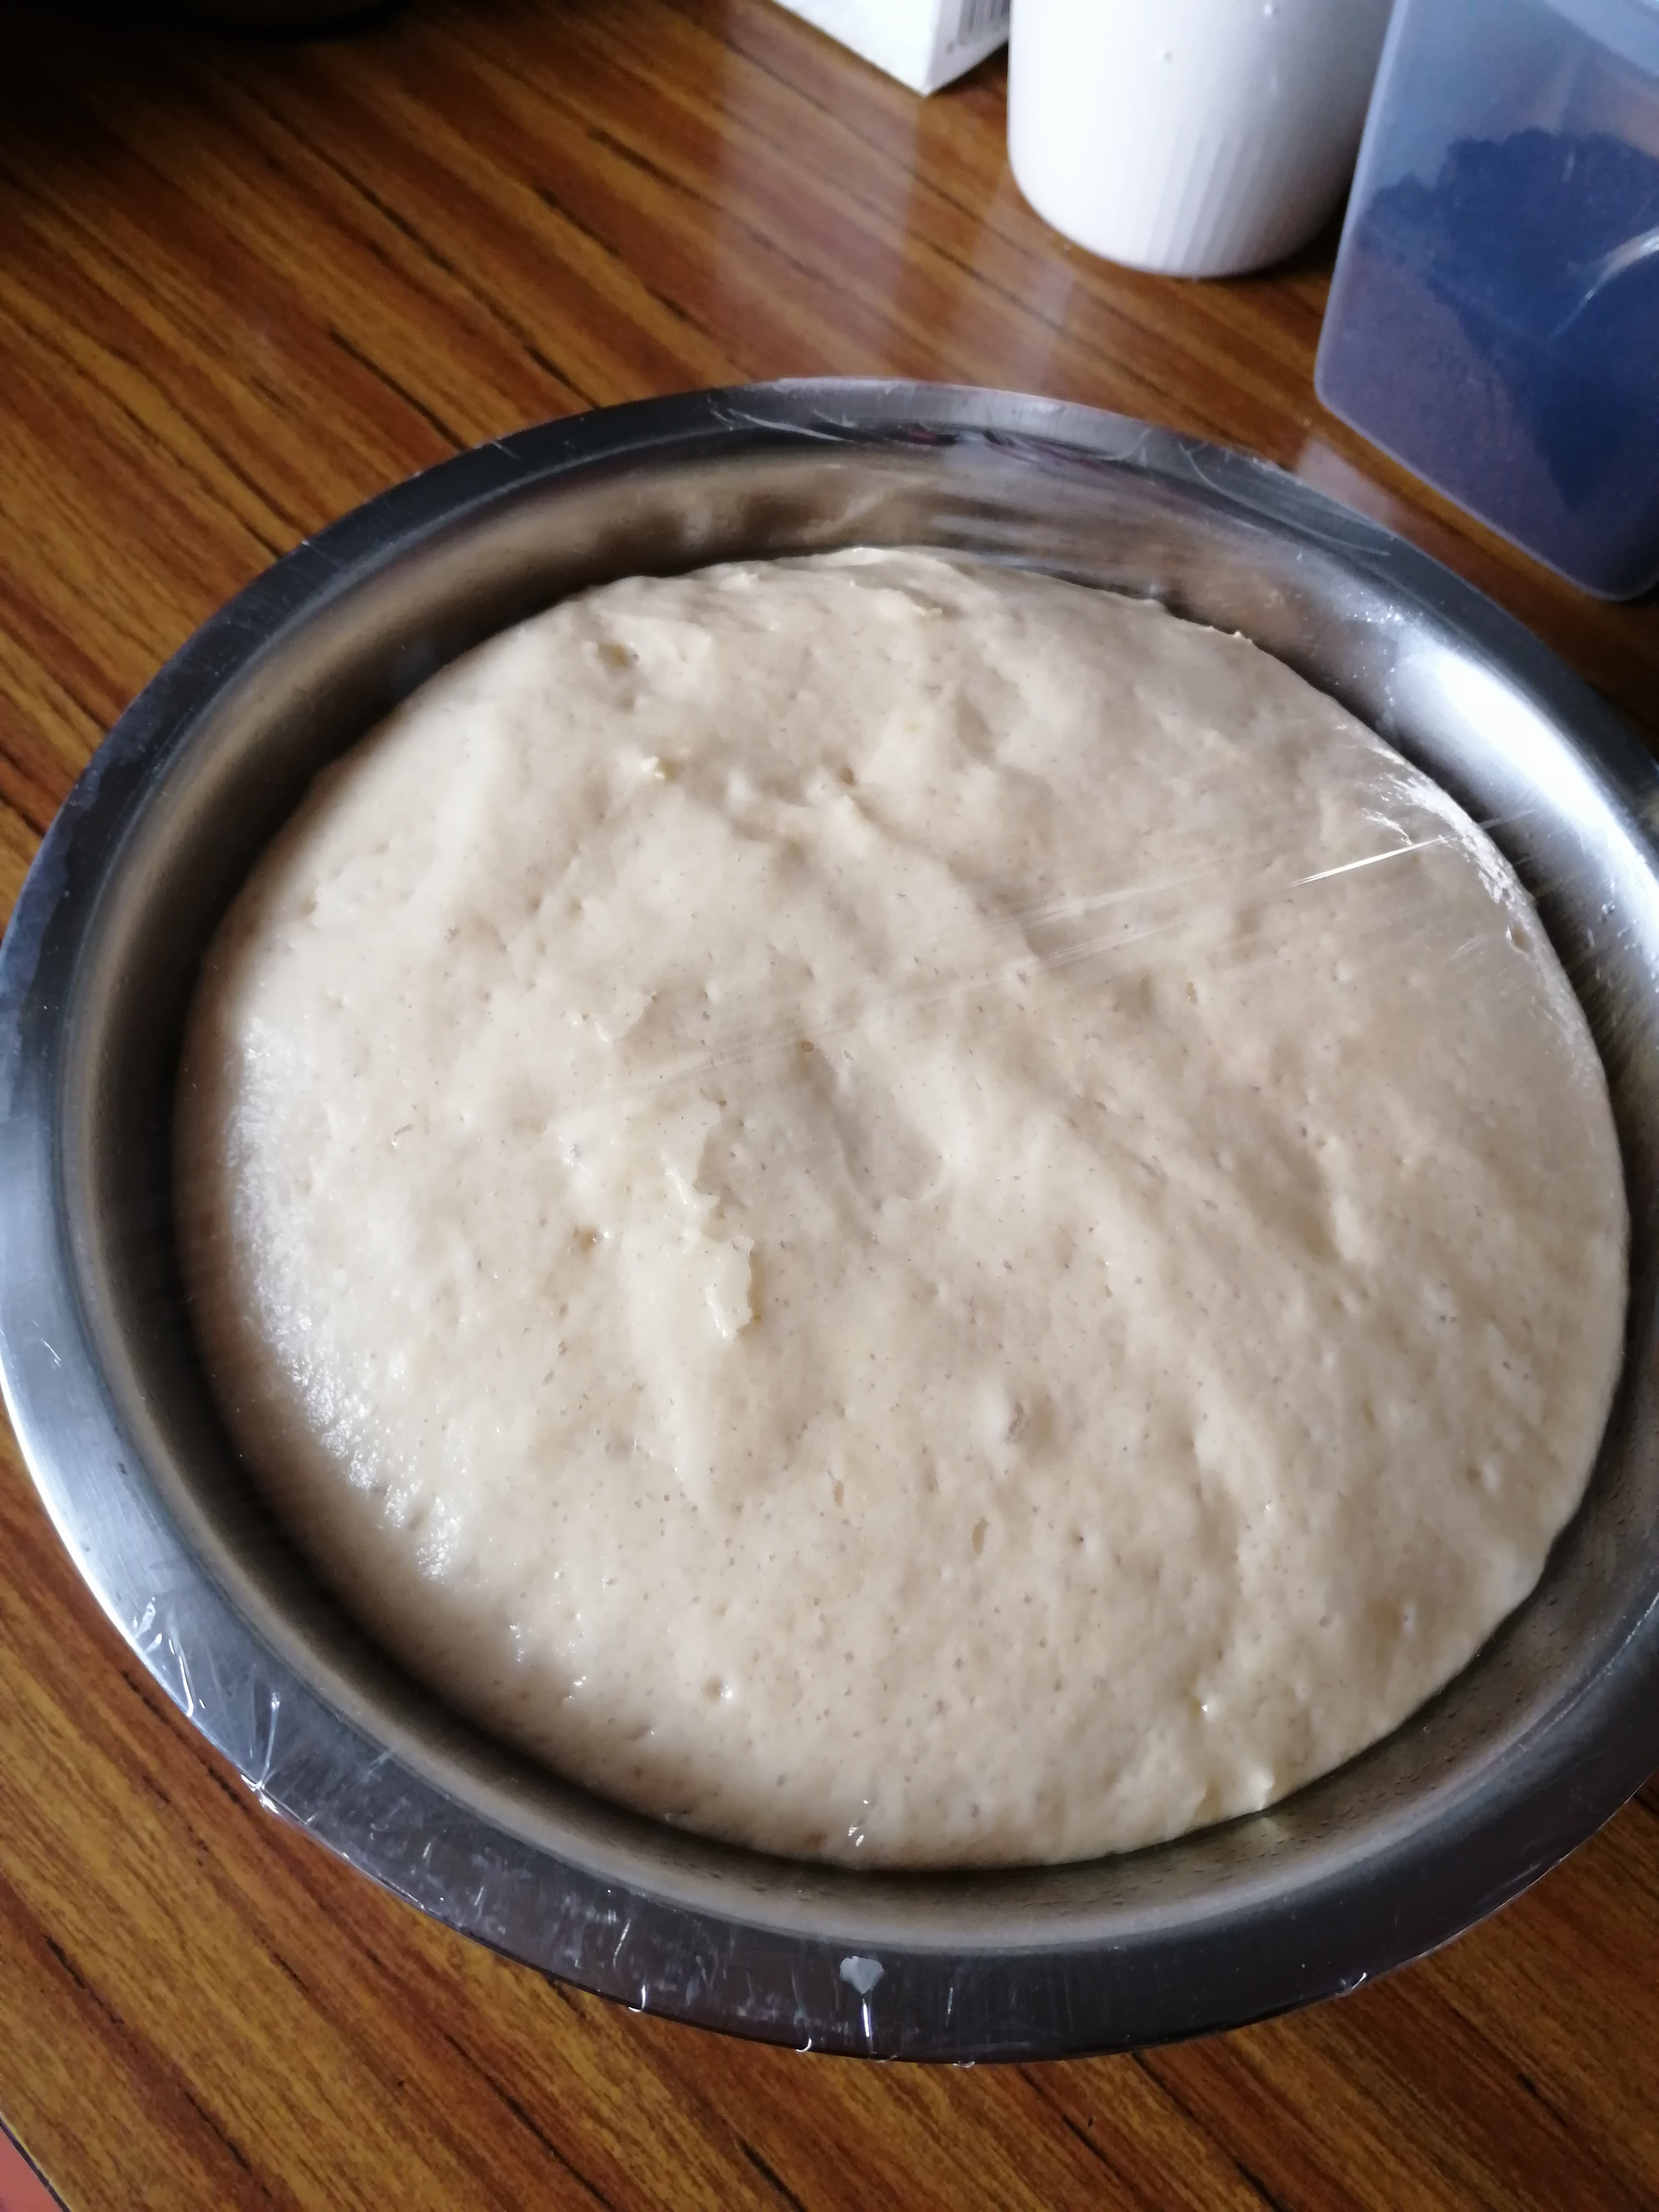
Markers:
<point>244,285</point>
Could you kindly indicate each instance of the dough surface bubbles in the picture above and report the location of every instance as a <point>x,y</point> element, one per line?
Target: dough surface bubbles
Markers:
<point>901,1212</point>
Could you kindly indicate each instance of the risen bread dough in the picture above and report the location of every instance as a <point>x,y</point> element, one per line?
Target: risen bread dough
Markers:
<point>902,1212</point>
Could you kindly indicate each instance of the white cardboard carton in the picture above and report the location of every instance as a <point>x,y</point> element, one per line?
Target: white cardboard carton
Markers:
<point>923,43</point>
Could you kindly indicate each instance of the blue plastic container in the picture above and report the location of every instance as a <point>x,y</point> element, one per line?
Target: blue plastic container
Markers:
<point>1510,160</point>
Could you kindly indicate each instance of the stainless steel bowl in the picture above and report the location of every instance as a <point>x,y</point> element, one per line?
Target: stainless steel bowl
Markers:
<point>1519,1758</point>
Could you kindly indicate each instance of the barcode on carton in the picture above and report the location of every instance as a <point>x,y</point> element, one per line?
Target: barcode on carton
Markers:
<point>979,17</point>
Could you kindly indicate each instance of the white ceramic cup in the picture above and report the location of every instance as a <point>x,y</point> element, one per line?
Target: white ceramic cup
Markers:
<point>1196,137</point>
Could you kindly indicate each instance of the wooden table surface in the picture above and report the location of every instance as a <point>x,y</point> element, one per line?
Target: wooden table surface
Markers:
<point>244,285</point>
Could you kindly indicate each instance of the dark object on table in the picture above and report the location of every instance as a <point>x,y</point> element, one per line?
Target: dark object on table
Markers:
<point>1469,336</point>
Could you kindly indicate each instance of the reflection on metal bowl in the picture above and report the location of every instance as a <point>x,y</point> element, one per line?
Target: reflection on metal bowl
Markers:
<point>1541,1737</point>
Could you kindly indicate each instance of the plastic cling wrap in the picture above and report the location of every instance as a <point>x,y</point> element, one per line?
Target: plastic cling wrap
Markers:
<point>901,1212</point>
<point>131,1449</point>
